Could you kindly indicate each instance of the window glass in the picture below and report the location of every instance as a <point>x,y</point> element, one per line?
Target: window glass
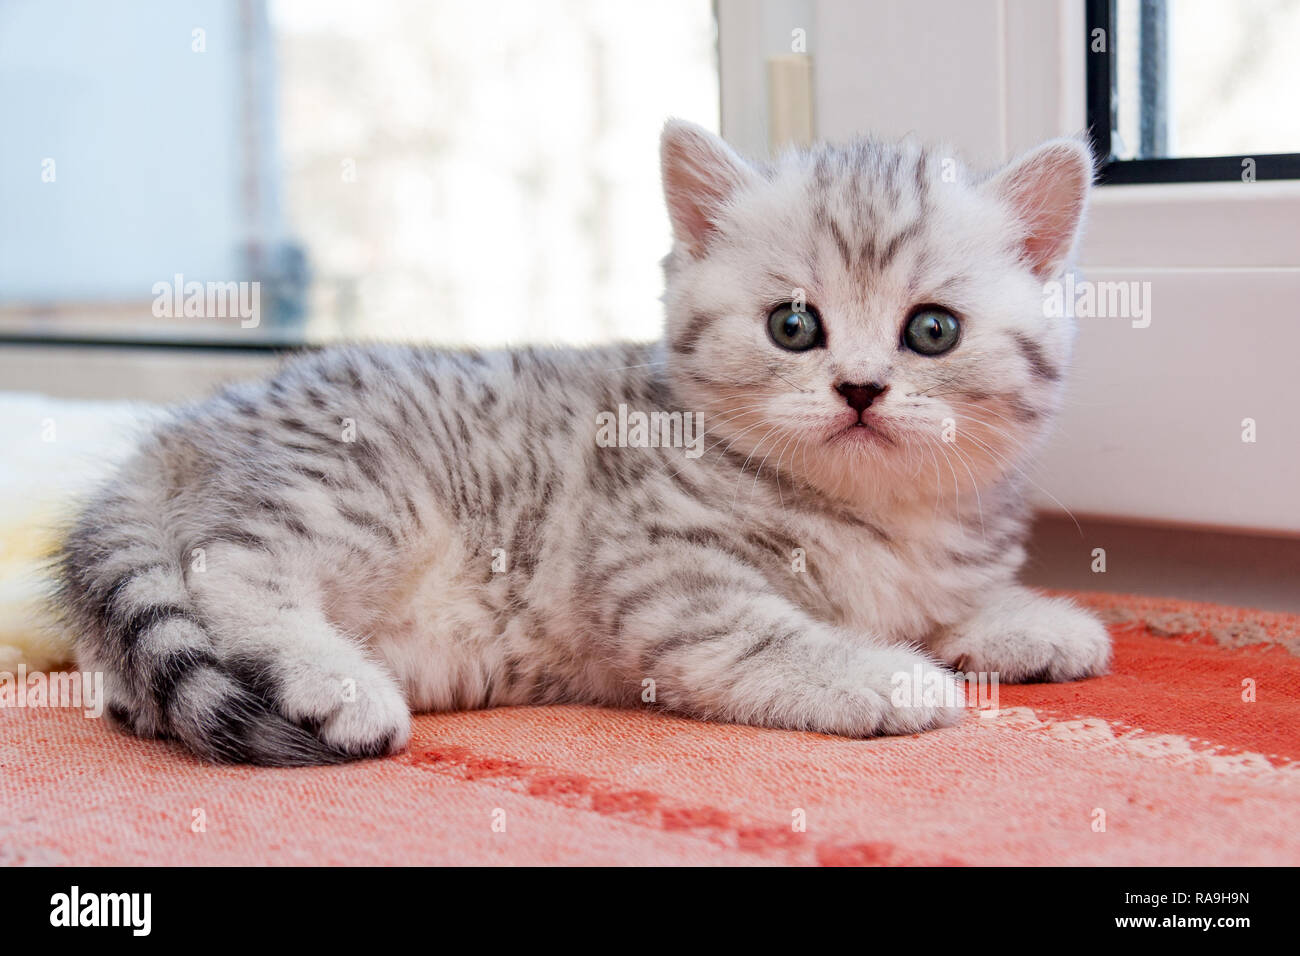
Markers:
<point>1206,78</point>
<point>452,171</point>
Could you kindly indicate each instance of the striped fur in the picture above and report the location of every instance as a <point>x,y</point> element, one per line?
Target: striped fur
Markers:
<point>284,571</point>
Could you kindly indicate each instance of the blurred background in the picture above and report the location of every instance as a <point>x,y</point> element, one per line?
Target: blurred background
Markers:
<point>1220,77</point>
<point>461,172</point>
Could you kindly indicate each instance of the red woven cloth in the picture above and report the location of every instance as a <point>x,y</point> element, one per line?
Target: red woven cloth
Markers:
<point>1161,762</point>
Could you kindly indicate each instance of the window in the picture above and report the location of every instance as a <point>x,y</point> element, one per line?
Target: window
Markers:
<point>453,171</point>
<point>1194,90</point>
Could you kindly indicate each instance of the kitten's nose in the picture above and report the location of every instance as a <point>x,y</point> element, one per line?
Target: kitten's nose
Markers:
<point>860,397</point>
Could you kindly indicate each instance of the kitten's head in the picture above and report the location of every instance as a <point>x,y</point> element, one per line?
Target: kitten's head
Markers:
<point>869,318</point>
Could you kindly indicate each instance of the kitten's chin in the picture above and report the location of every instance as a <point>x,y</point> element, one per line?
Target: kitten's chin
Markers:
<point>878,463</point>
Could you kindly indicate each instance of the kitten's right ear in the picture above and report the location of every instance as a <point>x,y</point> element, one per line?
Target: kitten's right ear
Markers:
<point>700,172</point>
<point>1047,189</point>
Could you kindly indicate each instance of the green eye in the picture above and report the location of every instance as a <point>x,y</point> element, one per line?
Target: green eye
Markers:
<point>931,331</point>
<point>795,330</point>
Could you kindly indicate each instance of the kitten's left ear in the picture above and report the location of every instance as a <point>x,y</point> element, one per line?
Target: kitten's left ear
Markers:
<point>701,173</point>
<point>1046,189</point>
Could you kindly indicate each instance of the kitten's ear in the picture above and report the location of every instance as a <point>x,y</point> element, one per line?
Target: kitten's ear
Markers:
<point>700,172</point>
<point>1046,189</point>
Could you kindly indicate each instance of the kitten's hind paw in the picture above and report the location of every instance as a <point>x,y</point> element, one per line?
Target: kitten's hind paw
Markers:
<point>371,721</point>
<point>1026,637</point>
<point>356,710</point>
<point>328,700</point>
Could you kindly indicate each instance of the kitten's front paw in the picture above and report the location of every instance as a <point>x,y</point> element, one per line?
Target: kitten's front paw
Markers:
<point>907,693</point>
<point>1027,637</point>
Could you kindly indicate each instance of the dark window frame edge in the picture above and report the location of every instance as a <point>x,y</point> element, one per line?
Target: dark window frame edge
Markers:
<point>1131,172</point>
<point>155,344</point>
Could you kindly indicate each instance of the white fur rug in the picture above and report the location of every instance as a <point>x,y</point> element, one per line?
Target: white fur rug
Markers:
<point>54,451</point>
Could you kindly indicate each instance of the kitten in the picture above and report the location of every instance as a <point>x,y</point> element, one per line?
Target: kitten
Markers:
<point>282,573</point>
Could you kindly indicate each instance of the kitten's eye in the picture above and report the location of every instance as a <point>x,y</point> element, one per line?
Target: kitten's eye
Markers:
<point>931,331</point>
<point>796,330</point>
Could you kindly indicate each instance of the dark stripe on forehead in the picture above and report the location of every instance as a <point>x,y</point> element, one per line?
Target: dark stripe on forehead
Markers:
<point>823,218</point>
<point>822,171</point>
<point>869,256</point>
<point>841,243</point>
<point>922,176</point>
<point>1038,362</point>
<point>904,235</point>
<point>893,173</point>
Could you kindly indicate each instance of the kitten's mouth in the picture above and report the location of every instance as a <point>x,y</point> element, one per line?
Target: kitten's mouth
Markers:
<point>861,432</point>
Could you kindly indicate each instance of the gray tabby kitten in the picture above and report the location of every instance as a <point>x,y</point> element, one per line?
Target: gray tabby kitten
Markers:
<point>283,572</point>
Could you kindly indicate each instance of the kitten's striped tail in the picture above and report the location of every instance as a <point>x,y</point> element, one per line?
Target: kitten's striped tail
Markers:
<point>124,592</point>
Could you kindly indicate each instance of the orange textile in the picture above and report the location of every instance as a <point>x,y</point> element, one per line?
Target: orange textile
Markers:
<point>1164,761</point>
